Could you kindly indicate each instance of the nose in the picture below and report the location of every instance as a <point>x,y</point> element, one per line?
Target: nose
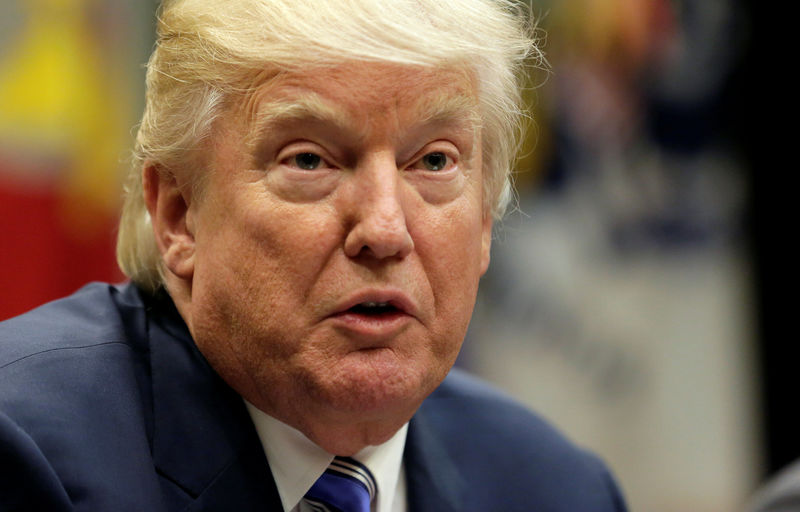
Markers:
<point>379,226</point>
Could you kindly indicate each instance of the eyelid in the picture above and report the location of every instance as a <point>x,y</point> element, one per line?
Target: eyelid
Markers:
<point>291,150</point>
<point>447,148</point>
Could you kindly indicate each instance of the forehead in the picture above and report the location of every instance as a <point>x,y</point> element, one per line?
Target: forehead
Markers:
<point>363,94</point>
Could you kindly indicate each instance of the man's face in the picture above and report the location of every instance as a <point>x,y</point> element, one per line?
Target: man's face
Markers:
<point>339,244</point>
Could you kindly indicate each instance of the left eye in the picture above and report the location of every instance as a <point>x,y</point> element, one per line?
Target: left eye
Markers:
<point>435,161</point>
<point>307,161</point>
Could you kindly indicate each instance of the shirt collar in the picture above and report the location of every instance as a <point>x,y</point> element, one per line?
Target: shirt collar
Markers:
<point>296,462</point>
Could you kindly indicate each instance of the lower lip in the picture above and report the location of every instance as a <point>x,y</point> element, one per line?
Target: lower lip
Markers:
<point>373,327</point>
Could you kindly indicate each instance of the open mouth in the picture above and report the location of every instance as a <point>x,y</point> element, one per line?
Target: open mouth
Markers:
<point>375,317</point>
<point>374,309</point>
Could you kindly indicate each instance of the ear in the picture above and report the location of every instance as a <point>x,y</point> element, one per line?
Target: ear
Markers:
<point>173,228</point>
<point>486,243</point>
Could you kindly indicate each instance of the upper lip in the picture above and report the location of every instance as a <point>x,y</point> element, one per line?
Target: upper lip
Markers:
<point>396,298</point>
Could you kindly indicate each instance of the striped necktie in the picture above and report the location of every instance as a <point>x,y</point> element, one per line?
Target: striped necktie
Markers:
<point>346,486</point>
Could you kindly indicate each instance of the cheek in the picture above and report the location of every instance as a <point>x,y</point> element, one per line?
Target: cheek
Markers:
<point>259,234</point>
<point>262,260</point>
<point>450,247</point>
<point>452,239</point>
<point>291,231</point>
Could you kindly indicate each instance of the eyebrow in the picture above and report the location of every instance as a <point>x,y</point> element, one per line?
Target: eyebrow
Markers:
<point>440,108</point>
<point>309,106</point>
<point>460,108</point>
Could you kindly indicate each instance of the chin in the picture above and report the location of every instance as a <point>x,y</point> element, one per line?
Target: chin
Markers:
<point>377,389</point>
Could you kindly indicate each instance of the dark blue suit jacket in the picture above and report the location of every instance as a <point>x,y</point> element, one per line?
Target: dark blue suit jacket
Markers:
<point>107,405</point>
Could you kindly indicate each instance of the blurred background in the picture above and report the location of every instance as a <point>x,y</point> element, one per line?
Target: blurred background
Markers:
<point>627,296</point>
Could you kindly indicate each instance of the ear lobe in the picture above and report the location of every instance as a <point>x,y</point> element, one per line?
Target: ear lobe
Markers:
<point>486,243</point>
<point>168,206</point>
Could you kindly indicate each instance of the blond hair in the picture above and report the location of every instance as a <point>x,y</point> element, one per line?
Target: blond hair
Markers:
<point>210,51</point>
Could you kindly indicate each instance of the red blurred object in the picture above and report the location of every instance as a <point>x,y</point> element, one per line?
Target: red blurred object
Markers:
<point>42,257</point>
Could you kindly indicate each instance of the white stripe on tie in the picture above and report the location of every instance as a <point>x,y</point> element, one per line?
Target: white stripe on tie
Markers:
<point>346,486</point>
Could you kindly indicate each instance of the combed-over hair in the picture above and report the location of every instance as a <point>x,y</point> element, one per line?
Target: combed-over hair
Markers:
<point>210,51</point>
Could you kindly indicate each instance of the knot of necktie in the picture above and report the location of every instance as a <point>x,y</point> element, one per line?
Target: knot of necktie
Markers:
<point>346,486</point>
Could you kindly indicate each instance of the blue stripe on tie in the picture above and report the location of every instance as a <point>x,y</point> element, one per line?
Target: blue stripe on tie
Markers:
<point>346,486</point>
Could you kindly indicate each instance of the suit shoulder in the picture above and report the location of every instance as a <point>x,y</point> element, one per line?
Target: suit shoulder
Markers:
<point>91,316</point>
<point>484,405</point>
<point>530,458</point>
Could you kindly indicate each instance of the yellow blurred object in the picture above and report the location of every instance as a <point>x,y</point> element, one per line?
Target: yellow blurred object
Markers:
<point>605,31</point>
<point>60,101</point>
<point>537,142</point>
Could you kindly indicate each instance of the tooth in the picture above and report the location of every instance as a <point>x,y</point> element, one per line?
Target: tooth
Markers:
<point>371,304</point>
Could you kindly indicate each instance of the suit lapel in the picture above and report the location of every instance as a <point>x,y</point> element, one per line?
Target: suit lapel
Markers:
<point>244,485</point>
<point>205,447</point>
<point>435,483</point>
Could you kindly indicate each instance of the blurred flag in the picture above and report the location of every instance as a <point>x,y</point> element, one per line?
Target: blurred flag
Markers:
<point>62,138</point>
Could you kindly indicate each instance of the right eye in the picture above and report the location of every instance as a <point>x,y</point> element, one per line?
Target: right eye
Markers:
<point>306,161</point>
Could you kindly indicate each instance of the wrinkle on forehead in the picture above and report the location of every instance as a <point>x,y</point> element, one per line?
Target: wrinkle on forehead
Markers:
<point>432,95</point>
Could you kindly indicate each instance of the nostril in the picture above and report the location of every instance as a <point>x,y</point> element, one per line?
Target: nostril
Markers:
<point>378,241</point>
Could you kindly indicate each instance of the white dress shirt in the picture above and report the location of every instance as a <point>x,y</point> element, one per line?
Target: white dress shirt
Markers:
<point>296,463</point>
